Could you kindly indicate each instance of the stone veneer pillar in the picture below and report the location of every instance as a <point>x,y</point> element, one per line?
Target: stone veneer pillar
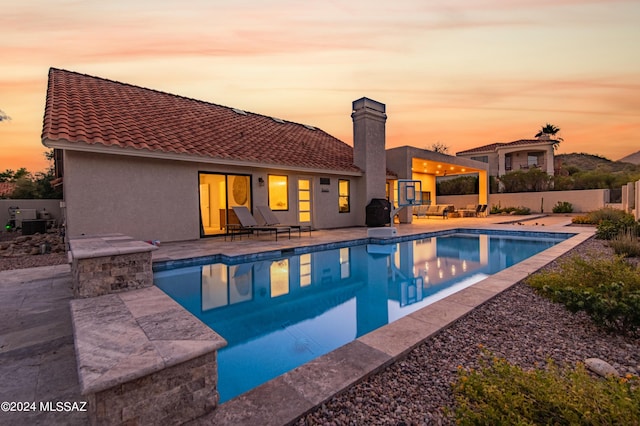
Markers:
<point>109,264</point>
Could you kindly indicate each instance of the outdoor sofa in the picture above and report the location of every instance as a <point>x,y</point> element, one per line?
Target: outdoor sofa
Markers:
<point>436,210</point>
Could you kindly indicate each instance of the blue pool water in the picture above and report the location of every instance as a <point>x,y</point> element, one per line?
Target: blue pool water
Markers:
<point>279,313</point>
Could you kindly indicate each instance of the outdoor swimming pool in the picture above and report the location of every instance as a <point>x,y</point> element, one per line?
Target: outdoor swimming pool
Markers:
<point>279,313</point>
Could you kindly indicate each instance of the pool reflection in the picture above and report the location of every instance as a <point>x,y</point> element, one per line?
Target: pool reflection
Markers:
<point>278,314</point>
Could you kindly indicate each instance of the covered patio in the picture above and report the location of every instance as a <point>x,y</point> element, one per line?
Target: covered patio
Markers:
<point>426,166</point>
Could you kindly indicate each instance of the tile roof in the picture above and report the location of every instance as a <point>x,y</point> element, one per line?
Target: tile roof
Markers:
<point>6,188</point>
<point>82,110</point>
<point>492,147</point>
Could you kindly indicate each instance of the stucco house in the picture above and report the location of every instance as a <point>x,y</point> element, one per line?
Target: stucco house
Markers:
<point>158,166</point>
<point>523,154</point>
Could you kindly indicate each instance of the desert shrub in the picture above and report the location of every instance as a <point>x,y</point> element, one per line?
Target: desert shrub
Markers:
<point>500,393</point>
<point>510,210</point>
<point>608,229</point>
<point>607,289</point>
<point>606,213</point>
<point>612,222</point>
<point>495,209</point>
<point>563,207</point>
<point>626,243</point>
<point>582,220</point>
<point>522,210</point>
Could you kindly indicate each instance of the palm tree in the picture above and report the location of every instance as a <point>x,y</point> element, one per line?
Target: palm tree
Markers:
<point>3,116</point>
<point>550,130</point>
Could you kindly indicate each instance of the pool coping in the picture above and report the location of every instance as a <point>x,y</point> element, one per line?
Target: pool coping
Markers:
<point>168,264</point>
<point>288,397</point>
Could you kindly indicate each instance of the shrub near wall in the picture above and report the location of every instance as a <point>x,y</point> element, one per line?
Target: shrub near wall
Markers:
<point>563,207</point>
<point>581,201</point>
<point>510,210</point>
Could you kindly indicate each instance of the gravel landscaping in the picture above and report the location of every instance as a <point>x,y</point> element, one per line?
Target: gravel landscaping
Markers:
<point>518,325</point>
<point>19,252</point>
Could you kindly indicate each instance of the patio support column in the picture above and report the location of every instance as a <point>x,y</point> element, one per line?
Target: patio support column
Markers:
<point>483,187</point>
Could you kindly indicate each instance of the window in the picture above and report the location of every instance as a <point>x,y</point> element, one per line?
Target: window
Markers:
<point>278,192</point>
<point>532,160</point>
<point>483,158</point>
<point>344,204</point>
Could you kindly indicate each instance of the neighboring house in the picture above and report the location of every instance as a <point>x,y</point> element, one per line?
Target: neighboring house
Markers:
<point>522,154</point>
<point>6,189</point>
<point>154,165</point>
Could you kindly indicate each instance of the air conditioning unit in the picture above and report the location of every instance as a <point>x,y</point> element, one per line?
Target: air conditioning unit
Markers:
<point>25,214</point>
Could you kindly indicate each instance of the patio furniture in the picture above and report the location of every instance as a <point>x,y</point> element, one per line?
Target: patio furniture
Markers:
<point>270,219</point>
<point>469,211</point>
<point>249,223</point>
<point>439,210</point>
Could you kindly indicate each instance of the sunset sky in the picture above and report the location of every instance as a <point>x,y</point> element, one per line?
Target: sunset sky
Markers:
<point>463,73</point>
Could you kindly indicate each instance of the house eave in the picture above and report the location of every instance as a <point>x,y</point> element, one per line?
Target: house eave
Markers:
<point>132,152</point>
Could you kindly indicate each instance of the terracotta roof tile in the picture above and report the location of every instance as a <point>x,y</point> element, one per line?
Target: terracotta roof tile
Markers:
<point>492,147</point>
<point>6,188</point>
<point>82,109</point>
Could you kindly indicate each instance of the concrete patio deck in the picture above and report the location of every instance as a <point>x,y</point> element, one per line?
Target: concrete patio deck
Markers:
<point>37,357</point>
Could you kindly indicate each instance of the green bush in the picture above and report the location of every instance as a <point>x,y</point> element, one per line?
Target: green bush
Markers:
<point>522,210</point>
<point>608,229</point>
<point>503,394</point>
<point>608,290</point>
<point>612,222</point>
<point>606,213</point>
<point>510,210</point>
<point>457,186</point>
<point>563,207</point>
<point>495,209</point>
<point>532,180</point>
<point>626,243</point>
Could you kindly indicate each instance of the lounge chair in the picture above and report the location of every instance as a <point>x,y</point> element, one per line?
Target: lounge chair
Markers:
<point>249,223</point>
<point>270,219</point>
<point>470,211</point>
